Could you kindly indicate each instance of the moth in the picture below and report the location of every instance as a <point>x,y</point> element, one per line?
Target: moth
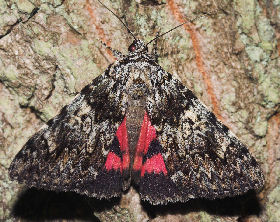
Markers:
<point>137,125</point>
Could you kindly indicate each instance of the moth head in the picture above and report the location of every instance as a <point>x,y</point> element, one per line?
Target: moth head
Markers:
<point>137,46</point>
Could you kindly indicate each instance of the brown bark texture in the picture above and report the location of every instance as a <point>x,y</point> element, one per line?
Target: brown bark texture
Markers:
<point>227,54</point>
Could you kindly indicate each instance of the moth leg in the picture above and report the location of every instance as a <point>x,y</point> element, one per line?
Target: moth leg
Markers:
<point>116,53</point>
<point>154,50</point>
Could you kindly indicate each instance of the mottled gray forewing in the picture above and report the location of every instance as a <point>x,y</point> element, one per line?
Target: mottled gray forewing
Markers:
<point>203,158</point>
<point>70,152</point>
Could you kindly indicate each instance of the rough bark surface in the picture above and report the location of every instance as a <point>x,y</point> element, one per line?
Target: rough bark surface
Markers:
<point>228,55</point>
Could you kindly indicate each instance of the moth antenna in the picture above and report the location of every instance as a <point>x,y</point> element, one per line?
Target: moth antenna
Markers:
<point>158,36</point>
<point>118,19</point>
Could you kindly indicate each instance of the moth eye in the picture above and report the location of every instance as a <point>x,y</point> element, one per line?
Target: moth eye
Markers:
<point>132,48</point>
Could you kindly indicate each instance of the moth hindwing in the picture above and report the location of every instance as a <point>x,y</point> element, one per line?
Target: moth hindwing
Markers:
<point>136,124</point>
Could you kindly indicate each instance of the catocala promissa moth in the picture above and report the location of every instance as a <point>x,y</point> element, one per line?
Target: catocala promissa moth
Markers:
<point>137,124</point>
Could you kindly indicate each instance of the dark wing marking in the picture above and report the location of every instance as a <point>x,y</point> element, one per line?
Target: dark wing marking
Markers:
<point>203,158</point>
<point>70,153</point>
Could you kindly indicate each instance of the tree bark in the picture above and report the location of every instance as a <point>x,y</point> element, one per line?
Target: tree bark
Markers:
<point>227,54</point>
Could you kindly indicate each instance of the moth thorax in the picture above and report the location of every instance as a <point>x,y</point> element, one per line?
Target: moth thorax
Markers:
<point>137,90</point>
